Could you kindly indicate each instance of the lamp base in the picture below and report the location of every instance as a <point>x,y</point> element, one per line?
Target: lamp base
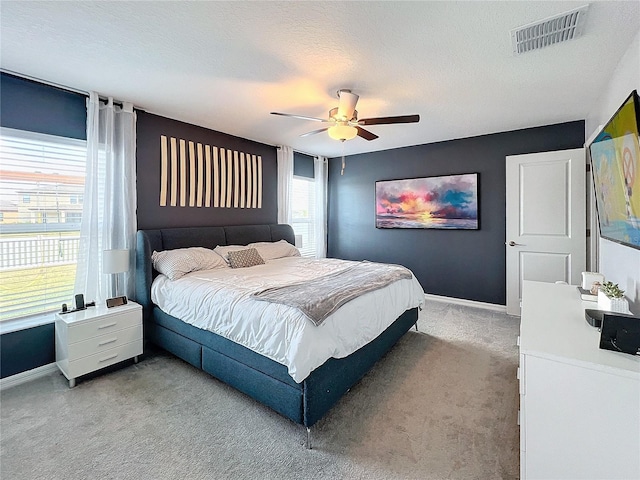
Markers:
<point>116,301</point>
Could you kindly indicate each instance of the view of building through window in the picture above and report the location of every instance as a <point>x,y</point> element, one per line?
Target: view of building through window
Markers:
<point>303,206</point>
<point>41,196</point>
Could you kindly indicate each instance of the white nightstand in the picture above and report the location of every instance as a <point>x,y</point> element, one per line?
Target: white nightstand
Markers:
<point>97,337</point>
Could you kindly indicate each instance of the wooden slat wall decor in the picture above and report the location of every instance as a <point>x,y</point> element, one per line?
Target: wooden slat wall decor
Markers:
<point>197,175</point>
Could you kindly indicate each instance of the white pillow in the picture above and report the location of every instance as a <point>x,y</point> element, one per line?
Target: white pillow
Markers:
<point>273,250</point>
<point>223,251</point>
<point>177,263</point>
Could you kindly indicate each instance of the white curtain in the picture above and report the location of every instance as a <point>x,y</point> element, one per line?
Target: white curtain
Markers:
<point>109,209</point>
<point>285,177</point>
<point>320,173</point>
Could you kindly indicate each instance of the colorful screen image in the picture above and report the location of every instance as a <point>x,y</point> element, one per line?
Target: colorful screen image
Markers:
<point>615,155</point>
<point>447,202</point>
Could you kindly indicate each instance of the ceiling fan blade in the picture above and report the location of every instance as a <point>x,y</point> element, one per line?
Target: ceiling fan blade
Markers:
<point>389,120</point>
<point>314,132</point>
<point>347,104</point>
<point>366,134</point>
<point>302,117</point>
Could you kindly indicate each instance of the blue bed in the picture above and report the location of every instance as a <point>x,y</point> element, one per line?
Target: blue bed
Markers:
<point>259,377</point>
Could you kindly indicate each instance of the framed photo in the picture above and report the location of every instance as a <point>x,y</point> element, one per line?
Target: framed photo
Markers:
<point>446,202</point>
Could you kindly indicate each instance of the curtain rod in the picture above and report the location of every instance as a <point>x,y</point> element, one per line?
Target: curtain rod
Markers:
<point>45,82</point>
<point>58,85</point>
<point>304,153</point>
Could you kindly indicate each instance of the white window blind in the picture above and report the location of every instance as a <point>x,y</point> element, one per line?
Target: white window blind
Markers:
<point>303,200</point>
<point>41,197</point>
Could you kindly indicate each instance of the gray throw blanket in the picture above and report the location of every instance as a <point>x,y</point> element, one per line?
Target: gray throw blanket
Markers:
<point>320,297</point>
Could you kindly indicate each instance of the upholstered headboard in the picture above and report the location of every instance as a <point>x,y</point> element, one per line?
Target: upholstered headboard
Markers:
<point>170,238</point>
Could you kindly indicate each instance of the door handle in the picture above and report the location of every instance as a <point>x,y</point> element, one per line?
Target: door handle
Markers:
<point>514,244</point>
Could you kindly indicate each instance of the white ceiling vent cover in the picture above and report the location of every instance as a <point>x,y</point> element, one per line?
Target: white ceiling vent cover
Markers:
<point>552,30</point>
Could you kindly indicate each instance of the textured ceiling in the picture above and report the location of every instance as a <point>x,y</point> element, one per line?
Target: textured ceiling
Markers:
<point>226,65</point>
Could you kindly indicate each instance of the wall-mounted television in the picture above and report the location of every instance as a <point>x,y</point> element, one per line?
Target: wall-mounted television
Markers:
<point>615,164</point>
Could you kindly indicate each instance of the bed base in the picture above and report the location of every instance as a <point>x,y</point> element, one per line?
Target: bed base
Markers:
<point>261,378</point>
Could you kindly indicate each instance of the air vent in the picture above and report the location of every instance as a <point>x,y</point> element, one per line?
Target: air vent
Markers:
<point>552,30</point>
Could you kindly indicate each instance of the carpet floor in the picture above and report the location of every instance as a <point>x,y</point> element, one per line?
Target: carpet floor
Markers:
<point>442,404</point>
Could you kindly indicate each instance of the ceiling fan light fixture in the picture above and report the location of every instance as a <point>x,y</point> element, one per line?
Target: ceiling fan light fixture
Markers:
<point>343,132</point>
<point>343,120</point>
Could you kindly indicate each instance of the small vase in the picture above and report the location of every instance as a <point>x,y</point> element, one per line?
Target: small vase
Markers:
<point>619,305</point>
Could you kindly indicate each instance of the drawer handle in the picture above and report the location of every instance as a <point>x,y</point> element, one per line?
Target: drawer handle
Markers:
<point>108,358</point>
<point>107,325</point>
<point>107,342</point>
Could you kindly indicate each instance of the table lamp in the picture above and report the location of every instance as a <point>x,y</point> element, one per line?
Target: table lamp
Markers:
<point>115,262</point>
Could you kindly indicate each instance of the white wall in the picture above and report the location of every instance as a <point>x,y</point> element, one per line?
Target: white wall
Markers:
<point>618,263</point>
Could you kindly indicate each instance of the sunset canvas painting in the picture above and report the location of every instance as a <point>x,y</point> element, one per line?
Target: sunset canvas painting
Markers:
<point>448,202</point>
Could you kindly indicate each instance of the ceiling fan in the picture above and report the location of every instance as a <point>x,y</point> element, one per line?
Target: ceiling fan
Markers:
<point>344,121</point>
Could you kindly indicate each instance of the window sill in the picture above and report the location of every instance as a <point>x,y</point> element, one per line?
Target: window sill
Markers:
<point>17,324</point>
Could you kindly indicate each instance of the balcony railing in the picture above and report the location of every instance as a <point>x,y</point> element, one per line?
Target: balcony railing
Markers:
<point>37,273</point>
<point>38,251</point>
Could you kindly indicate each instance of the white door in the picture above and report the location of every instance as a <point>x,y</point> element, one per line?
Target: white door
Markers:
<point>546,232</point>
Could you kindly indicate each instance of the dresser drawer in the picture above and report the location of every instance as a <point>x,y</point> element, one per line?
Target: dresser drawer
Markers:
<point>108,357</point>
<point>104,342</point>
<point>103,326</point>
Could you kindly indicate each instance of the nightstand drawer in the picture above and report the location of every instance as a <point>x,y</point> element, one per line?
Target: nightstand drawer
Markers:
<point>104,342</point>
<point>103,326</point>
<point>104,359</point>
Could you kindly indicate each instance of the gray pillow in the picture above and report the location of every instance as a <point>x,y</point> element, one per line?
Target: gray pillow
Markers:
<point>245,258</point>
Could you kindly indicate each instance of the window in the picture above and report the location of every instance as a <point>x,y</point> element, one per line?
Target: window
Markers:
<point>303,199</point>
<point>40,229</point>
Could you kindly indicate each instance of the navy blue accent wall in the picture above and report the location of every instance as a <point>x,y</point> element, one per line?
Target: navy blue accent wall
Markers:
<point>151,215</point>
<point>466,264</point>
<point>27,349</point>
<point>32,106</point>
<point>303,165</point>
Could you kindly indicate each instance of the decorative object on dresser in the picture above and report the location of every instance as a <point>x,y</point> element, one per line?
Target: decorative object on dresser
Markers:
<point>591,281</point>
<point>115,262</point>
<point>591,278</point>
<point>579,411</point>
<point>91,339</point>
<point>611,298</point>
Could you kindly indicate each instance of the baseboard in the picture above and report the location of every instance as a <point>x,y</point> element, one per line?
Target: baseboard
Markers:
<point>27,376</point>
<point>466,303</point>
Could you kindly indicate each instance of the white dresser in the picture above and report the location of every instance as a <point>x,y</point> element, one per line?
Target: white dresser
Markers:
<point>97,337</point>
<point>579,405</point>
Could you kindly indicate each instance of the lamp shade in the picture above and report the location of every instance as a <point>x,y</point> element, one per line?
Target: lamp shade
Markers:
<point>115,261</point>
<point>342,132</point>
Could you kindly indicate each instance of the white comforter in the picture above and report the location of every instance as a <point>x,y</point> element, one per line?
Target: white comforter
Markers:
<point>219,300</point>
